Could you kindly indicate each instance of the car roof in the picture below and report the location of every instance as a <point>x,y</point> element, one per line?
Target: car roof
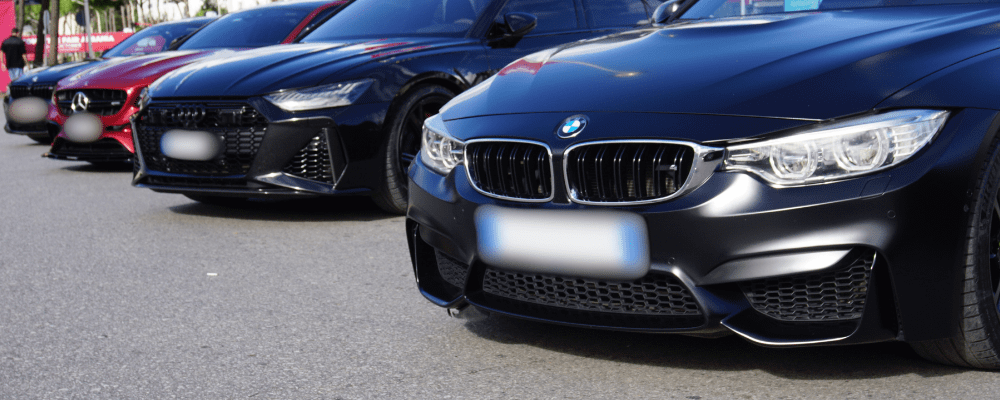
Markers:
<point>296,4</point>
<point>202,20</point>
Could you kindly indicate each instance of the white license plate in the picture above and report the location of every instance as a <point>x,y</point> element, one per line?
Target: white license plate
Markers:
<point>610,245</point>
<point>188,145</point>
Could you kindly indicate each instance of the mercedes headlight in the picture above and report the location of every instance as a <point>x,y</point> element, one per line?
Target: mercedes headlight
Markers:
<point>439,151</point>
<point>840,150</point>
<point>326,96</point>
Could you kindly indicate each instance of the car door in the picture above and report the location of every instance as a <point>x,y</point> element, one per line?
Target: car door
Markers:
<point>564,21</point>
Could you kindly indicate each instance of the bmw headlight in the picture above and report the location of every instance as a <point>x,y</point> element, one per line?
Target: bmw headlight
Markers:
<point>326,96</point>
<point>840,150</point>
<point>438,150</point>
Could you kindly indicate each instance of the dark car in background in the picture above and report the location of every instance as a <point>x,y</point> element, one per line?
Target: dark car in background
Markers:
<point>94,107</point>
<point>797,173</point>
<point>341,112</point>
<point>40,83</point>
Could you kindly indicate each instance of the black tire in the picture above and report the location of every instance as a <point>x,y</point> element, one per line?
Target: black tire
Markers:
<point>977,344</point>
<point>41,138</point>
<point>402,144</point>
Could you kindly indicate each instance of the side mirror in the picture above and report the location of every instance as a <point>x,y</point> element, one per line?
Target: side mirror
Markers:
<point>519,24</point>
<point>174,43</point>
<point>665,11</point>
<point>178,41</point>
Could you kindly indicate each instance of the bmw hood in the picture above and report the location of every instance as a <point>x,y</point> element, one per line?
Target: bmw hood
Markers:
<point>274,68</point>
<point>814,65</point>
<point>132,71</point>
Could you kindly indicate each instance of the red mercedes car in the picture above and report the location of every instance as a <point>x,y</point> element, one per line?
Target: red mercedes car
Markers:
<point>93,107</point>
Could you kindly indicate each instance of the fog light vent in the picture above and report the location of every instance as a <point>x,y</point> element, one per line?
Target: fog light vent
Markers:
<point>830,296</point>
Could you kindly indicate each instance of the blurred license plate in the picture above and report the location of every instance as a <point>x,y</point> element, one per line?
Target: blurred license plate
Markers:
<point>611,245</point>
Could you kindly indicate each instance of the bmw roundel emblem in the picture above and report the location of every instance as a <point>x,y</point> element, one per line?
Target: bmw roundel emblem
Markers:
<point>572,126</point>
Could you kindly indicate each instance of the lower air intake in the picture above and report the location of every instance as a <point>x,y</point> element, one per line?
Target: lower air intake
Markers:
<point>829,296</point>
<point>451,270</point>
<point>654,294</point>
<point>312,162</point>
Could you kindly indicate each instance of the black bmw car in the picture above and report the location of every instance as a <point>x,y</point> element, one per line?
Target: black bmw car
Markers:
<point>797,173</point>
<point>39,84</point>
<point>341,113</point>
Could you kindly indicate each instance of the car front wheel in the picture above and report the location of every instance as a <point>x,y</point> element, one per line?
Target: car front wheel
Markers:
<point>978,341</point>
<point>403,144</point>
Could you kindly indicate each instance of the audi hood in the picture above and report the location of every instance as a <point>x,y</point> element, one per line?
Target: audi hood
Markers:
<point>274,68</point>
<point>810,65</point>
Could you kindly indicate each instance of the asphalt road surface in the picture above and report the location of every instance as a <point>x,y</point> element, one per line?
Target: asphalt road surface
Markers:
<point>108,291</point>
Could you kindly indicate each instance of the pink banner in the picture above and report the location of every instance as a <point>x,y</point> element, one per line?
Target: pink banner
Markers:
<point>76,43</point>
<point>6,24</point>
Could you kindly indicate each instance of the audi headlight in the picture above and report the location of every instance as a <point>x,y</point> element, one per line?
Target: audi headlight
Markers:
<point>841,150</point>
<point>438,150</point>
<point>326,96</point>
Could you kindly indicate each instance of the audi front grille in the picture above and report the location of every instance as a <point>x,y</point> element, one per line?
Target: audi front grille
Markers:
<point>241,125</point>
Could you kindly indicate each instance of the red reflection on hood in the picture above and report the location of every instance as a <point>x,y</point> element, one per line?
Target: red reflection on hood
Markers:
<point>386,46</point>
<point>389,53</point>
<point>521,66</point>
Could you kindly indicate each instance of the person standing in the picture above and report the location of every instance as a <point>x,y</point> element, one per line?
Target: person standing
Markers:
<point>13,52</point>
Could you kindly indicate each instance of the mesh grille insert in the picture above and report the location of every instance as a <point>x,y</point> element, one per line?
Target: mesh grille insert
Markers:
<point>510,169</point>
<point>451,270</point>
<point>830,296</point>
<point>312,162</point>
<point>654,294</point>
<point>627,171</point>
<point>241,127</point>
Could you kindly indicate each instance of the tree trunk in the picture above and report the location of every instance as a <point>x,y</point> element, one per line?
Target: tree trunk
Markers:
<point>40,44</point>
<point>54,32</point>
<point>20,15</point>
<point>137,17</point>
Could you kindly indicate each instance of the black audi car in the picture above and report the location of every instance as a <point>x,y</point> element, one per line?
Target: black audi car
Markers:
<point>39,84</point>
<point>797,173</point>
<point>341,113</point>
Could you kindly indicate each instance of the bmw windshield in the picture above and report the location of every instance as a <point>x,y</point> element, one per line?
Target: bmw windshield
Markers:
<point>151,40</point>
<point>251,28</point>
<point>706,9</point>
<point>387,18</point>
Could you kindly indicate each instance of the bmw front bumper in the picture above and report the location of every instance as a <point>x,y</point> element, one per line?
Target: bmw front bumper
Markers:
<point>866,259</point>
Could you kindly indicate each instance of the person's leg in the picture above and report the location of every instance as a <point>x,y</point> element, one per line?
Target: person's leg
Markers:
<point>14,73</point>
